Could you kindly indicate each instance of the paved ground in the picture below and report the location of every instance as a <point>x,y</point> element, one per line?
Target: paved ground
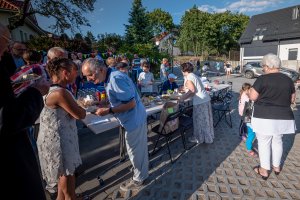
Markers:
<point>222,170</point>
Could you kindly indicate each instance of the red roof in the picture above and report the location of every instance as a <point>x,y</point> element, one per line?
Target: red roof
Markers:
<point>161,36</point>
<point>11,5</point>
<point>16,6</point>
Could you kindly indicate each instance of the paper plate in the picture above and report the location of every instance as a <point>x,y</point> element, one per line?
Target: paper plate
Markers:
<point>30,78</point>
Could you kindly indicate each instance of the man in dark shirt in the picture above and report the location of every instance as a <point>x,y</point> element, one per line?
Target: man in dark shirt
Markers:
<point>19,164</point>
<point>169,84</point>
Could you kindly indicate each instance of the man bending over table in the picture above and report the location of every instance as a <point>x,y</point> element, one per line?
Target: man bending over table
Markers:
<point>126,106</point>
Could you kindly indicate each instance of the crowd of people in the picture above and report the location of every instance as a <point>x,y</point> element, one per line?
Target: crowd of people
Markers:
<point>51,101</point>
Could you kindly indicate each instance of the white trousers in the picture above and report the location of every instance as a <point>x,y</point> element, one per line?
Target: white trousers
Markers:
<point>137,149</point>
<point>268,144</point>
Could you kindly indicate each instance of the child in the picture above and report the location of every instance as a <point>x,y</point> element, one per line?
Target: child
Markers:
<point>244,97</point>
<point>146,79</point>
<point>57,142</point>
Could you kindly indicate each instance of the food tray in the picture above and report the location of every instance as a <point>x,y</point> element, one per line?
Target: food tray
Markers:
<point>29,78</point>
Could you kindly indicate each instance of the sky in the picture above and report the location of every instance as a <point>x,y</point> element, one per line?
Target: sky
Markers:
<point>109,16</point>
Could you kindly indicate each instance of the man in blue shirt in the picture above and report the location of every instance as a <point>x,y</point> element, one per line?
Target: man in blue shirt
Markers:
<point>169,84</point>
<point>126,106</point>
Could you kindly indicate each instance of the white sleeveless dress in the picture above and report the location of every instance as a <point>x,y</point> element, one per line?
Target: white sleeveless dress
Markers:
<point>57,143</point>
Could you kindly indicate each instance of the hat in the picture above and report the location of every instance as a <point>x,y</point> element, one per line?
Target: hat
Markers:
<point>172,76</point>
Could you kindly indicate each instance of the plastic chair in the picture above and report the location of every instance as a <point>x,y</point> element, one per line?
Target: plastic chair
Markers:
<point>167,136</point>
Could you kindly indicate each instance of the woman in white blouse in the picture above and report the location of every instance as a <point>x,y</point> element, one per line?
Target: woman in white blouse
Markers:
<point>202,111</point>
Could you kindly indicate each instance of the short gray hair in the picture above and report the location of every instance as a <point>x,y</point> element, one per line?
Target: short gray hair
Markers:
<point>93,64</point>
<point>271,60</point>
<point>55,52</point>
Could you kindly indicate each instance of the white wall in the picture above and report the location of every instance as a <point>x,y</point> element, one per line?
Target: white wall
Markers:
<point>284,51</point>
<point>16,34</point>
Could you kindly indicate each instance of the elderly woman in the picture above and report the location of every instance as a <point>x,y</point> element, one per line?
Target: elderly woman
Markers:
<point>202,112</point>
<point>273,94</point>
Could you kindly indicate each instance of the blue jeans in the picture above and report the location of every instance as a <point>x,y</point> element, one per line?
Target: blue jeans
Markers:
<point>250,138</point>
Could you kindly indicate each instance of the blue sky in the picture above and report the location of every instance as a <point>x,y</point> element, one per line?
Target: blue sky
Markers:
<point>109,16</point>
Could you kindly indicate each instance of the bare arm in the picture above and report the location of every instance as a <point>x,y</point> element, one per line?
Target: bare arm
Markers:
<point>293,98</point>
<point>253,95</point>
<point>191,90</point>
<point>63,99</point>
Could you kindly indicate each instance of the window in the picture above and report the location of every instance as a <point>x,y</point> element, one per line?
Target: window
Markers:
<point>296,13</point>
<point>293,54</point>
<point>21,36</point>
<point>259,34</point>
<point>25,37</point>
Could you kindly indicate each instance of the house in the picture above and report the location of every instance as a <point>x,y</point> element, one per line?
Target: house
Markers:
<point>165,42</point>
<point>276,32</point>
<point>9,8</point>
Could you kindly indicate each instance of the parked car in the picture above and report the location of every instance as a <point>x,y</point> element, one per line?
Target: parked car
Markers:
<point>254,69</point>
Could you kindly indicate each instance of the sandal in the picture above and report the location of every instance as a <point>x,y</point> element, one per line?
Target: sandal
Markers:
<point>258,172</point>
<point>252,153</point>
<point>276,172</point>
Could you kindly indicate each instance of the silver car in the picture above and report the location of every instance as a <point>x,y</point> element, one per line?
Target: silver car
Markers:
<point>254,69</point>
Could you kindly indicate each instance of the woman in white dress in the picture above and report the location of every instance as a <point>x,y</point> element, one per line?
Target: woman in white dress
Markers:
<point>57,142</point>
<point>273,94</point>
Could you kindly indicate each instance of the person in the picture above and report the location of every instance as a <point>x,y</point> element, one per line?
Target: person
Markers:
<point>122,67</point>
<point>20,166</point>
<point>125,104</point>
<point>79,80</point>
<point>146,79</point>
<point>111,63</point>
<point>57,143</point>
<point>164,70</point>
<point>18,49</point>
<point>136,68</point>
<point>244,97</point>
<point>169,84</point>
<point>272,94</point>
<point>202,111</point>
<point>228,69</point>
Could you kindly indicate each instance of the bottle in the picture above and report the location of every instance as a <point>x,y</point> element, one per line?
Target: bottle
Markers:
<point>103,96</point>
<point>98,95</point>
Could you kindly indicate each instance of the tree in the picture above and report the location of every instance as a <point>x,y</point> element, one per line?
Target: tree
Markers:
<point>66,13</point>
<point>194,31</point>
<point>161,21</point>
<point>138,31</point>
<point>78,36</point>
<point>215,33</point>
<point>111,42</point>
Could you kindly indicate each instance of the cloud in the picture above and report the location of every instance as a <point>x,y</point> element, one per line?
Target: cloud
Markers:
<point>242,6</point>
<point>101,9</point>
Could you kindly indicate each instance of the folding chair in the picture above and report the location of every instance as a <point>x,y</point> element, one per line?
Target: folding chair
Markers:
<point>167,136</point>
<point>221,109</point>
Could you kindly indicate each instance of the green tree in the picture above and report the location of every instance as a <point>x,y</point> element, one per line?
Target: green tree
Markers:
<point>193,32</point>
<point>161,21</point>
<point>215,33</point>
<point>110,42</point>
<point>67,14</point>
<point>138,31</point>
<point>78,36</point>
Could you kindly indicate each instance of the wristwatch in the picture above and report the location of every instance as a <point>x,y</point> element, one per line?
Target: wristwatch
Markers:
<point>111,111</point>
